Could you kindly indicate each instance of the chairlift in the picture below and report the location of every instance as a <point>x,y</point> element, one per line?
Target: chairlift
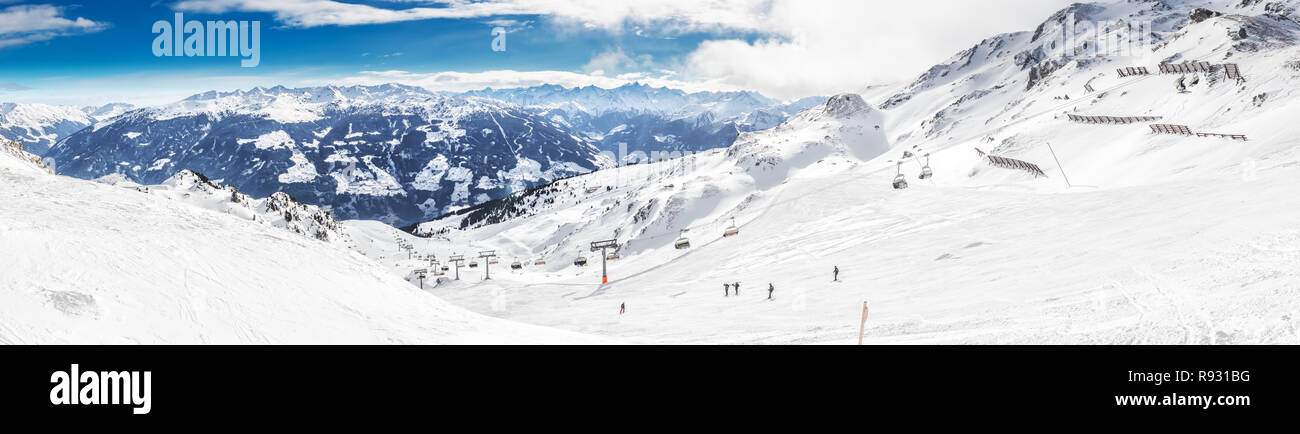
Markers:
<point>682,243</point>
<point>516,265</point>
<point>731,230</point>
<point>580,262</point>
<point>926,173</point>
<point>900,181</point>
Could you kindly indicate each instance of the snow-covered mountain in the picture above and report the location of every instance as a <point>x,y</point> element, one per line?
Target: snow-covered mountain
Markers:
<point>1010,78</point>
<point>1128,236</point>
<point>392,153</point>
<point>645,118</point>
<point>39,126</point>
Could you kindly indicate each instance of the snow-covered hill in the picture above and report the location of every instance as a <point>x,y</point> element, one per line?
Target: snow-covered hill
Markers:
<point>18,158</point>
<point>637,117</point>
<point>278,210</point>
<point>89,263</point>
<point>392,153</point>
<point>39,126</point>
<point>1154,239</point>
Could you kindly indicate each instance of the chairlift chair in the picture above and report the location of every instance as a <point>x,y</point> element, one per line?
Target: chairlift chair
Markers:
<point>926,173</point>
<point>473,264</point>
<point>539,262</point>
<point>731,230</point>
<point>516,265</point>
<point>682,243</point>
<point>900,181</point>
<point>580,262</point>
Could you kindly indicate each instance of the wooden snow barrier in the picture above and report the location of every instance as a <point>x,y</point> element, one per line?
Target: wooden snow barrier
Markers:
<point>1233,71</point>
<point>1241,137</point>
<point>1011,163</point>
<point>1181,130</point>
<point>1114,120</point>
<point>1185,67</point>
<point>1088,87</point>
<point>1141,70</point>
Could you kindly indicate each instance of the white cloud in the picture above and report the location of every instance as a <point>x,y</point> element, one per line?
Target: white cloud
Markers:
<point>24,24</point>
<point>674,15</point>
<point>616,60</point>
<point>825,47</point>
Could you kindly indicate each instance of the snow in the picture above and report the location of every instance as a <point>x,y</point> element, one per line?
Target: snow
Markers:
<point>159,164</point>
<point>272,140</point>
<point>365,179</point>
<point>302,170</point>
<point>14,158</point>
<point>429,178</point>
<point>88,263</point>
<point>938,264</point>
<point>38,116</point>
<point>1157,240</point>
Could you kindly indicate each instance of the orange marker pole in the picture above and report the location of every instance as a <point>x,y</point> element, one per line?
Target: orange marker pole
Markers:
<point>862,328</point>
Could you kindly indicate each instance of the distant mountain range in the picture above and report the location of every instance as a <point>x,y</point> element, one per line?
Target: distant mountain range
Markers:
<point>39,126</point>
<point>395,153</point>
<point>645,118</point>
<point>392,153</point>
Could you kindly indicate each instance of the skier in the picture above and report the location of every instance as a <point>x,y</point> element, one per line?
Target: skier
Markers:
<point>770,288</point>
<point>837,273</point>
<point>726,289</point>
<point>622,307</point>
<point>737,286</point>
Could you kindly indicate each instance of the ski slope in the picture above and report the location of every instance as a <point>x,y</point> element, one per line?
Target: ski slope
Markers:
<point>1164,264</point>
<point>1154,239</point>
<point>89,263</point>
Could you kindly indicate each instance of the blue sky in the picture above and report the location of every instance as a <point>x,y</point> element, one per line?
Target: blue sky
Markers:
<point>93,52</point>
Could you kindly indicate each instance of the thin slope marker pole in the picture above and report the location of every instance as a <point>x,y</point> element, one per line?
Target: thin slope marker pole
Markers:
<point>1058,165</point>
<point>862,328</point>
